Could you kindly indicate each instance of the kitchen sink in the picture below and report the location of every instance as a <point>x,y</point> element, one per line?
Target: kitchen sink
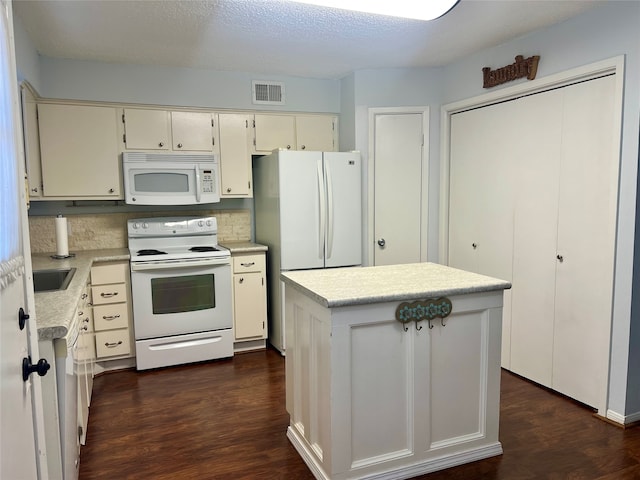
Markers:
<point>52,279</point>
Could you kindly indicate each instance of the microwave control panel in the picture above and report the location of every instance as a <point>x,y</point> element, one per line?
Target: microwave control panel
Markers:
<point>208,181</point>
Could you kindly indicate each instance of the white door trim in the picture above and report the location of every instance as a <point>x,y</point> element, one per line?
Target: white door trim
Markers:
<point>424,110</point>
<point>586,72</point>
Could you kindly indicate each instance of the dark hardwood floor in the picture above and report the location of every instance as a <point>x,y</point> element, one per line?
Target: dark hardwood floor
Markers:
<point>226,420</point>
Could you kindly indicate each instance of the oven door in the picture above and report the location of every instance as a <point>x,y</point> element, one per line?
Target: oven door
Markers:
<point>175,298</point>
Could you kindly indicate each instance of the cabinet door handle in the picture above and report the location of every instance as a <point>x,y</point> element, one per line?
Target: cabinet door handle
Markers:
<point>303,147</point>
<point>108,294</point>
<point>161,144</point>
<point>474,245</point>
<point>250,264</point>
<point>560,258</point>
<point>110,317</point>
<point>113,344</point>
<point>241,280</point>
<point>229,190</point>
<point>179,145</point>
<point>288,147</point>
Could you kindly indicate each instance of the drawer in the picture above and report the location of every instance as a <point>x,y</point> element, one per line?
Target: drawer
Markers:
<point>114,293</point>
<point>248,263</point>
<point>110,316</point>
<point>112,343</point>
<point>109,273</point>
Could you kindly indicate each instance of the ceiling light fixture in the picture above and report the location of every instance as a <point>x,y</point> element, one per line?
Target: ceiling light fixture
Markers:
<point>415,9</point>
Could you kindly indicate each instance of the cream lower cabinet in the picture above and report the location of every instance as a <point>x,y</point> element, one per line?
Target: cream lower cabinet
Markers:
<point>85,361</point>
<point>110,289</point>
<point>249,301</point>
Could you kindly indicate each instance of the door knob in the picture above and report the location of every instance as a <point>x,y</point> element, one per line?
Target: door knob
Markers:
<point>41,368</point>
<point>382,242</point>
<point>22,318</point>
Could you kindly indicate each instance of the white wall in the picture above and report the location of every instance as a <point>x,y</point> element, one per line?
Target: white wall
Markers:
<point>598,34</point>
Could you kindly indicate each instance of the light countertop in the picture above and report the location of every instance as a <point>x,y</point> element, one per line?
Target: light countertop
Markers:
<point>55,309</point>
<point>338,287</point>
<point>244,247</point>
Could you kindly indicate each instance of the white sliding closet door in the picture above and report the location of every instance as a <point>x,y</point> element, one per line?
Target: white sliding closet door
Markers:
<point>586,239</point>
<point>534,236</point>
<point>483,162</point>
<point>533,199</point>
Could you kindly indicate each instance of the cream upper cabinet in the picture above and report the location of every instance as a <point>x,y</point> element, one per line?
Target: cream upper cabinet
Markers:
<point>146,129</point>
<point>295,132</point>
<point>193,131</point>
<point>33,166</point>
<point>79,151</point>
<point>274,131</point>
<point>316,132</point>
<point>235,154</point>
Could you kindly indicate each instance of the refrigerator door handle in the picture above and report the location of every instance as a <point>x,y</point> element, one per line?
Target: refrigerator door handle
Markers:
<point>323,211</point>
<point>329,227</point>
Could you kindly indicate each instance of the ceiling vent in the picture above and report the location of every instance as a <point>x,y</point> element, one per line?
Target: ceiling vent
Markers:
<point>268,93</point>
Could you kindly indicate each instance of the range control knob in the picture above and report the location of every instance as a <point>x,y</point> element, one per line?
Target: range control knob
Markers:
<point>200,223</point>
<point>209,223</point>
<point>145,225</point>
<point>135,226</point>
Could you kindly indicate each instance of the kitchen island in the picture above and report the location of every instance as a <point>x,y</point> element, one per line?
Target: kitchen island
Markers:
<point>392,371</point>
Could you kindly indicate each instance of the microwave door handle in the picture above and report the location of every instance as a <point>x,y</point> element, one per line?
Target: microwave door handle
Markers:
<point>198,191</point>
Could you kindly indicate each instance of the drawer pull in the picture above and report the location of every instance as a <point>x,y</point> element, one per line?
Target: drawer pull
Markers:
<point>250,264</point>
<point>113,344</point>
<point>110,317</point>
<point>80,313</point>
<point>85,328</point>
<point>108,294</point>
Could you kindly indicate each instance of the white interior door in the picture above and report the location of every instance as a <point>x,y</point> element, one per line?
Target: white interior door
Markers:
<point>399,186</point>
<point>18,457</point>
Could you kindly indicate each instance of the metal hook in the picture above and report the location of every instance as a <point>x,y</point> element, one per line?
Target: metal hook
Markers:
<point>418,327</point>
<point>404,327</point>
<point>430,324</point>
<point>442,322</point>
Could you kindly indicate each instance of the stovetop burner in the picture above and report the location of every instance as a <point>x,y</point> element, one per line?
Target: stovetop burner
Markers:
<point>204,248</point>
<point>150,251</point>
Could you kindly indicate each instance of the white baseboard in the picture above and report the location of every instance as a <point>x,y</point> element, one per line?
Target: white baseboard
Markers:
<point>405,472</point>
<point>623,419</point>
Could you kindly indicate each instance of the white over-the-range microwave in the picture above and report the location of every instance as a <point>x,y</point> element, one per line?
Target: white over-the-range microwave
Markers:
<point>170,178</point>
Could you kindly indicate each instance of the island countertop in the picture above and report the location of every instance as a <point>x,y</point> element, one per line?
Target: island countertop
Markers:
<point>55,309</point>
<point>339,287</point>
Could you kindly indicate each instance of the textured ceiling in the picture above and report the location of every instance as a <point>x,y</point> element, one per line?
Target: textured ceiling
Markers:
<point>275,36</point>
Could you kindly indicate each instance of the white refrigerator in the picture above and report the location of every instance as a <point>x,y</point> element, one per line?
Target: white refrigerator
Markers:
<point>308,211</point>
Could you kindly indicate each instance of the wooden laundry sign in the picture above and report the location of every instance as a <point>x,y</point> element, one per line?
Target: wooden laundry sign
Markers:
<point>522,67</point>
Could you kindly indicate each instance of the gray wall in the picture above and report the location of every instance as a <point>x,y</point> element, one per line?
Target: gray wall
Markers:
<point>27,59</point>
<point>111,82</point>
<point>598,34</point>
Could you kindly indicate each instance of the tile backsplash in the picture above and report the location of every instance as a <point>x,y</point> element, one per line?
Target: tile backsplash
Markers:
<point>90,232</point>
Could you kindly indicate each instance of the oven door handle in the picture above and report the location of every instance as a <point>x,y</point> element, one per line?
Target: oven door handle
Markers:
<point>184,263</point>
